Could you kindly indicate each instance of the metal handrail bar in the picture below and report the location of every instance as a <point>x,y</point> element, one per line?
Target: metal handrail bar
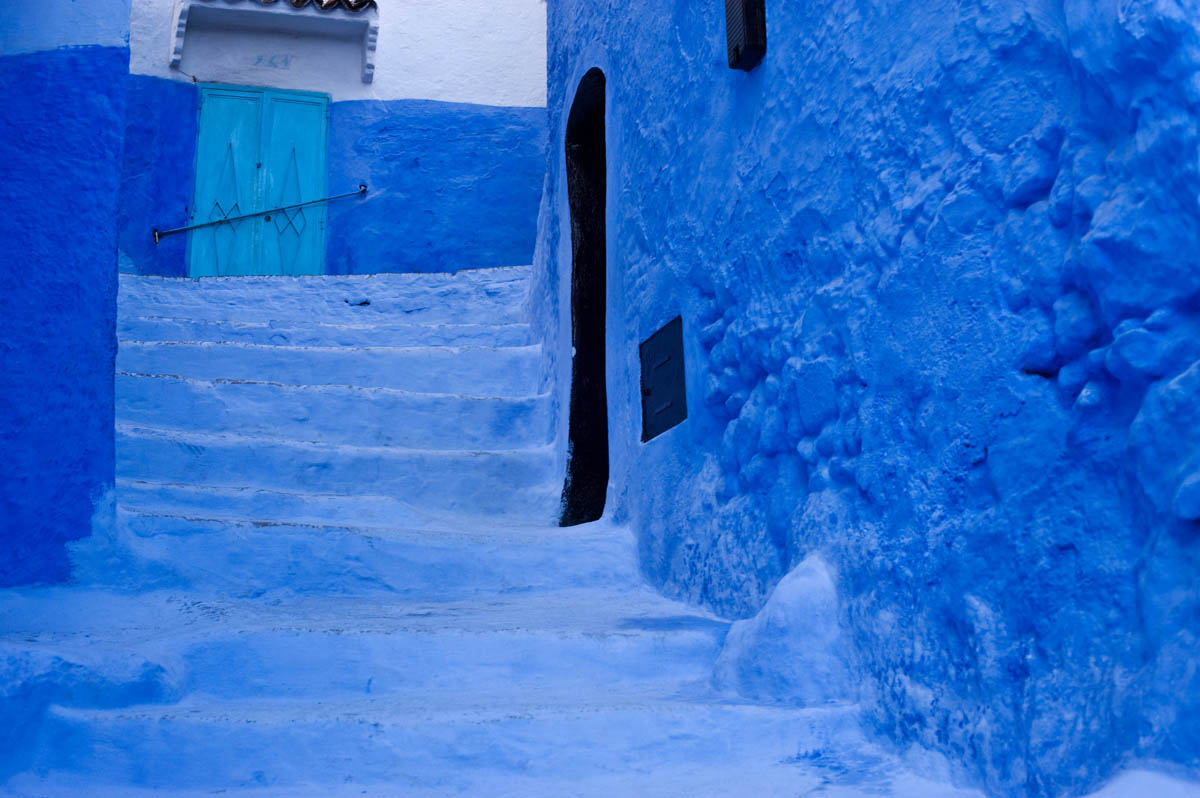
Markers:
<point>158,234</point>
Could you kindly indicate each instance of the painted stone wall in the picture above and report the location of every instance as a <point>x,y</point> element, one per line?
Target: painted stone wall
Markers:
<point>939,271</point>
<point>449,136</point>
<point>158,174</point>
<point>63,90</point>
<point>454,185</point>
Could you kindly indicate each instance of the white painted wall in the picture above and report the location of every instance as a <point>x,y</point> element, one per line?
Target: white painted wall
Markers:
<point>490,52</point>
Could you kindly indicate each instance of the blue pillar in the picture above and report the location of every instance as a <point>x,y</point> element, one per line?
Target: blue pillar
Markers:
<point>63,77</point>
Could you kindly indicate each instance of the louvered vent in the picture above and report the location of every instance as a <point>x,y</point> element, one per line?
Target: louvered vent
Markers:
<point>746,33</point>
<point>664,393</point>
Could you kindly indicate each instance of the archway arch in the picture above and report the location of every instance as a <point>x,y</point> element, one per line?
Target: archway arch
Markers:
<point>586,483</point>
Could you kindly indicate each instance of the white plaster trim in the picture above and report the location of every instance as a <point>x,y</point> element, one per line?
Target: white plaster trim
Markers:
<point>484,52</point>
<point>277,17</point>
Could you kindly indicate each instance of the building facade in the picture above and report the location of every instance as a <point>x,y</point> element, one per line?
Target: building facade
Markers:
<point>937,270</point>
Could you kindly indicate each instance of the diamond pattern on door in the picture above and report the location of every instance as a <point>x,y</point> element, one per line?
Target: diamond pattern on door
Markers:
<point>290,223</point>
<point>225,206</point>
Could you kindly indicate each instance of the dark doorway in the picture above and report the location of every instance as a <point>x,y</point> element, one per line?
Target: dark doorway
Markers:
<point>587,452</point>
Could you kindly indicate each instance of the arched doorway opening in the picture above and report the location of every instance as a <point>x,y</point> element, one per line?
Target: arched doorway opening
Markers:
<point>587,453</point>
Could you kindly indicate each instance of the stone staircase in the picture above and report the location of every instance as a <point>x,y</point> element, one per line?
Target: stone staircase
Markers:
<point>326,411</point>
<point>332,570</point>
<point>393,385</point>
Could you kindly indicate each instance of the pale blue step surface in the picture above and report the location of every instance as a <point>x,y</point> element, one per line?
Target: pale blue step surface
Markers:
<point>309,333</point>
<point>470,481</point>
<point>455,747</point>
<point>248,542</point>
<point>299,690</point>
<point>340,648</point>
<point>365,416</point>
<point>481,296</point>
<point>269,507</point>
<point>469,371</point>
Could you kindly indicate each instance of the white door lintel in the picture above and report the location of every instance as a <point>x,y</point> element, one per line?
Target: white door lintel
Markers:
<point>280,17</point>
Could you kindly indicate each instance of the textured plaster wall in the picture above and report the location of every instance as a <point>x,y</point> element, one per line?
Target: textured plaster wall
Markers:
<point>158,174</point>
<point>453,186</point>
<point>462,51</point>
<point>60,143</point>
<point>939,271</point>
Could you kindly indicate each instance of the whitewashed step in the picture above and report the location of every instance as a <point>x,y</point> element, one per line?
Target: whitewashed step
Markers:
<point>439,562</point>
<point>470,371</point>
<point>479,296</point>
<point>577,639</point>
<point>335,414</point>
<point>264,508</point>
<point>505,482</point>
<point>477,744</point>
<point>308,333</point>
<point>242,558</point>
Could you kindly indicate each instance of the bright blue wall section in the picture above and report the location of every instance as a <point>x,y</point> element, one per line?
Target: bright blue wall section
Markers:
<point>453,186</point>
<point>60,144</point>
<point>939,271</point>
<point>158,174</point>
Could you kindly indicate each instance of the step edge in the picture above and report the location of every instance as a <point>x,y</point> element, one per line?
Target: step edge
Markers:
<point>182,435</point>
<point>318,387</point>
<point>450,348</point>
<point>386,276</point>
<point>277,324</point>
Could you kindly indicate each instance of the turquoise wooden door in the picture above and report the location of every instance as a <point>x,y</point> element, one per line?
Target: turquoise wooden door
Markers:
<point>259,149</point>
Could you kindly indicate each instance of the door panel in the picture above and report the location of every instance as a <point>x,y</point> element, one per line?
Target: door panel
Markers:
<point>226,183</point>
<point>259,149</point>
<point>294,240</point>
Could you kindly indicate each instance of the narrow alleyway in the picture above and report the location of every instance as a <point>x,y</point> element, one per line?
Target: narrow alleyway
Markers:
<point>333,570</point>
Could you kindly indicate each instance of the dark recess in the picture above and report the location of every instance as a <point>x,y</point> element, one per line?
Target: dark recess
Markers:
<point>587,454</point>
<point>664,388</point>
<point>745,33</point>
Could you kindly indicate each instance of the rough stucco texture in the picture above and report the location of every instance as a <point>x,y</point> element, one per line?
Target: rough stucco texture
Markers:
<point>60,143</point>
<point>453,186</point>
<point>940,279</point>
<point>158,175</point>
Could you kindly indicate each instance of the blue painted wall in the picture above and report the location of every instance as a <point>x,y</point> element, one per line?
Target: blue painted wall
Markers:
<point>453,186</point>
<point>60,143</point>
<point>939,271</point>
<point>50,24</point>
<point>158,174</point>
